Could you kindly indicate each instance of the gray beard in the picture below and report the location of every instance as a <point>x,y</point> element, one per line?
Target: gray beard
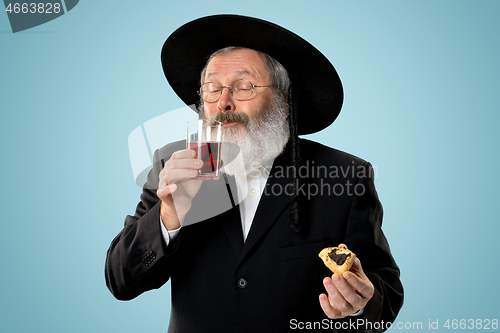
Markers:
<point>262,139</point>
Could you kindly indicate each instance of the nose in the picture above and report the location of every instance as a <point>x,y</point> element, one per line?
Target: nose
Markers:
<point>226,101</point>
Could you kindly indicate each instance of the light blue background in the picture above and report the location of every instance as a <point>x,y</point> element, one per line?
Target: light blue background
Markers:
<point>421,83</point>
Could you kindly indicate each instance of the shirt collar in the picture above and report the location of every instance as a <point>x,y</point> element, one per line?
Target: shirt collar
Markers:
<point>263,168</point>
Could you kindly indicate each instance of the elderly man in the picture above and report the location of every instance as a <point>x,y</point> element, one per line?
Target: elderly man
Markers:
<point>253,266</point>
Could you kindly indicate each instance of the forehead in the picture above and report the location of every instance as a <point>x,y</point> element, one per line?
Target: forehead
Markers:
<point>245,63</point>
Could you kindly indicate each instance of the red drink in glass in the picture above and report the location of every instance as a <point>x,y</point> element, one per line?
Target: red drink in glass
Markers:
<point>209,153</point>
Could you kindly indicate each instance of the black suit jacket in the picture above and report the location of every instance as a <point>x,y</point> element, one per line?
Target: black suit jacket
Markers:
<point>272,281</point>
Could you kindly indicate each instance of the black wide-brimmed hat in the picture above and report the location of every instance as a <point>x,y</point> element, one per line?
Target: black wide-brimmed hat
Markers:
<point>317,90</point>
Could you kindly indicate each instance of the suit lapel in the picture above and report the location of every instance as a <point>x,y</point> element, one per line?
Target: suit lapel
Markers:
<point>231,220</point>
<point>215,202</point>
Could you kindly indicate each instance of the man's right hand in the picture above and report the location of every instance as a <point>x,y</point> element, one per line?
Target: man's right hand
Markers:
<point>177,188</point>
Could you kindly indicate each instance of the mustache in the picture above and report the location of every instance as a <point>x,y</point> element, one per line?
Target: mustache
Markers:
<point>229,117</point>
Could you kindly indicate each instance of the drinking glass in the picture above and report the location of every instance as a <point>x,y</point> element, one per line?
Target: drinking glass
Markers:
<point>205,139</point>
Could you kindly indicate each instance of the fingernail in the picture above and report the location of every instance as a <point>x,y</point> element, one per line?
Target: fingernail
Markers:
<point>336,278</point>
<point>198,163</point>
<point>193,172</point>
<point>327,283</point>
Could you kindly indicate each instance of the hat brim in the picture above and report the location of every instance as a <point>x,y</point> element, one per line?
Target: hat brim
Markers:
<point>316,87</point>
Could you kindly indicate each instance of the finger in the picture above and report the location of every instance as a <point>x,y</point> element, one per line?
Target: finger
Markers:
<point>342,245</point>
<point>185,153</point>
<point>362,286</point>
<point>352,300</point>
<point>357,266</point>
<point>185,163</point>
<point>178,175</point>
<point>335,296</point>
<point>328,309</point>
<point>176,170</point>
<point>357,270</point>
<point>164,192</point>
<point>161,179</point>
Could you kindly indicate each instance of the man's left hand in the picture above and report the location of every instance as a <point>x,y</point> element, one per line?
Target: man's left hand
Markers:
<point>347,293</point>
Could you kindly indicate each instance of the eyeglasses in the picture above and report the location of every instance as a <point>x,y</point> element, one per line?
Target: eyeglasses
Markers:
<point>240,89</point>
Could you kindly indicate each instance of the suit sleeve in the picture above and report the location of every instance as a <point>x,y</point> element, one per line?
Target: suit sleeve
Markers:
<point>138,258</point>
<point>364,237</point>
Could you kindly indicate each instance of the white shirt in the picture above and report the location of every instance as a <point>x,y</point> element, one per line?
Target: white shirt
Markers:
<point>250,187</point>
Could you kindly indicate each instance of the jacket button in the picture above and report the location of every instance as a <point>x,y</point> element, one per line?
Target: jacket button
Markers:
<point>242,283</point>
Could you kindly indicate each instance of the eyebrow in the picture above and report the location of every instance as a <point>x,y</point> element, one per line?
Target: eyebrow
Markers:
<point>239,72</point>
